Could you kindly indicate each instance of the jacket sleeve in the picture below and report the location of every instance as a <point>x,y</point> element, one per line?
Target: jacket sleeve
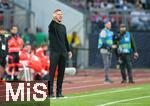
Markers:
<point>100,43</point>
<point>133,45</point>
<point>102,36</point>
<point>50,30</point>
<point>66,41</point>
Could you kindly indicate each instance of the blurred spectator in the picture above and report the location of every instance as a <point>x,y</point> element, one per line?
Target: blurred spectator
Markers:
<point>94,16</point>
<point>106,5</point>
<point>4,4</point>
<point>40,37</point>
<point>3,51</point>
<point>148,4</point>
<point>120,2</point>
<point>140,19</point>
<point>79,3</point>
<point>28,36</point>
<point>89,4</point>
<point>132,1</point>
<point>125,5</point>
<point>143,3</point>
<point>97,4</point>
<point>15,44</point>
<point>138,4</point>
<point>75,43</point>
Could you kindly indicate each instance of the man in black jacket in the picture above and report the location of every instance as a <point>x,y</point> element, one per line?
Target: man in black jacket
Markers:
<point>3,51</point>
<point>59,51</point>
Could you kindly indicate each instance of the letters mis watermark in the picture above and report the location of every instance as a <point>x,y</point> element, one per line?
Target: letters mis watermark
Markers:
<point>23,91</point>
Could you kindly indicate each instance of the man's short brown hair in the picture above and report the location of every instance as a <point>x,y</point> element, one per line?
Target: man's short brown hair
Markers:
<point>122,25</point>
<point>14,26</point>
<point>54,14</point>
<point>2,28</point>
<point>57,10</point>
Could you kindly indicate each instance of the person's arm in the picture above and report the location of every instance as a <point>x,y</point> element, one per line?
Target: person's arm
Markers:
<point>66,42</point>
<point>7,44</point>
<point>67,46</point>
<point>115,41</point>
<point>133,46</point>
<point>102,36</point>
<point>50,30</point>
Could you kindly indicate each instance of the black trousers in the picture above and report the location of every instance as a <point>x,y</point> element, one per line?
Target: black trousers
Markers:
<point>56,59</point>
<point>75,56</point>
<point>126,64</point>
<point>14,59</point>
<point>3,61</point>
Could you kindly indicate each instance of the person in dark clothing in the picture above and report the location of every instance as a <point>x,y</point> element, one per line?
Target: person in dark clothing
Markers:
<point>3,51</point>
<point>59,51</point>
<point>126,46</point>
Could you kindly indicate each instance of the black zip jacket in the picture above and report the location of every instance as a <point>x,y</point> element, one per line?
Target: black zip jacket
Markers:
<point>58,37</point>
<point>3,46</point>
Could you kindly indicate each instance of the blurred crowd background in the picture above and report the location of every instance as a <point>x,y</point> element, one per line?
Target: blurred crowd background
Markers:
<point>30,16</point>
<point>134,13</point>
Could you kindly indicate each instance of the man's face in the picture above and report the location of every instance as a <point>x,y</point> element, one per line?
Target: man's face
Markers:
<point>28,47</point>
<point>108,25</point>
<point>14,30</point>
<point>2,31</point>
<point>45,48</point>
<point>122,29</point>
<point>58,16</point>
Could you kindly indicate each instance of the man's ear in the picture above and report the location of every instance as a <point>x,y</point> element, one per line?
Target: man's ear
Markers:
<point>54,15</point>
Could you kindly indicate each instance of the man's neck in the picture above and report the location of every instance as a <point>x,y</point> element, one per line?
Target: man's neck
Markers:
<point>57,21</point>
<point>107,28</point>
<point>123,32</point>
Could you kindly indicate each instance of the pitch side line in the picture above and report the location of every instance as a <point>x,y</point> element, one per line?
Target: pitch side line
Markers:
<point>93,85</point>
<point>124,100</point>
<point>103,93</point>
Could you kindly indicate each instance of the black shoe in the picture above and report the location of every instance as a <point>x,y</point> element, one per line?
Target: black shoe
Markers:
<point>123,81</point>
<point>51,96</point>
<point>131,82</point>
<point>59,95</point>
<point>108,80</point>
<point>15,78</point>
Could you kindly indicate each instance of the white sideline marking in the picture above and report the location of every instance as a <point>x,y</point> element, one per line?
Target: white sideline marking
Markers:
<point>58,98</point>
<point>86,86</point>
<point>106,92</point>
<point>93,85</point>
<point>124,100</point>
<point>101,81</point>
<point>99,84</point>
<point>95,80</point>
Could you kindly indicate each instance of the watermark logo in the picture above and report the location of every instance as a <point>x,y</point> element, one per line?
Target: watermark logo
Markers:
<point>26,91</point>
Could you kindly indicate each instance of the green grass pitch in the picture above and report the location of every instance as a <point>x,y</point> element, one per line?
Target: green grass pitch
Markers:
<point>126,96</point>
